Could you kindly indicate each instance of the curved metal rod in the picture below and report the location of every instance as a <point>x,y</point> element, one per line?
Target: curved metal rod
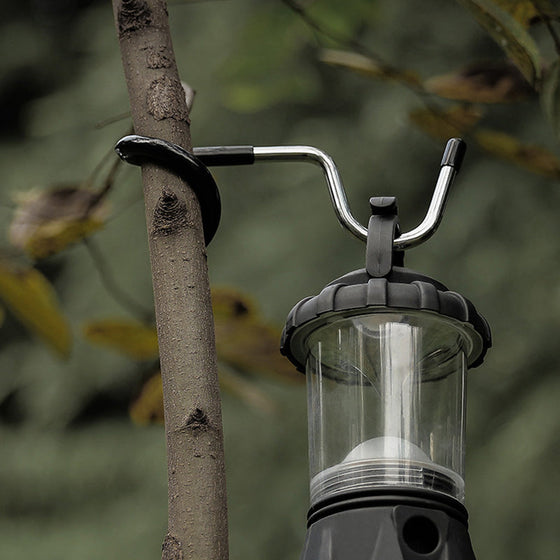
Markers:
<point>334,182</point>
<point>140,149</point>
<point>450,165</point>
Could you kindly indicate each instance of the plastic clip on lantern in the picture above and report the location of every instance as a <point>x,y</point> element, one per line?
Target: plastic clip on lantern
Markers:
<point>385,351</point>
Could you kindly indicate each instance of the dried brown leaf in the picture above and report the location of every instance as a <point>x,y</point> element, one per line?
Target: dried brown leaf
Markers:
<point>485,82</point>
<point>46,222</point>
<point>534,158</point>
<point>442,125</point>
<point>366,66</point>
<point>244,341</point>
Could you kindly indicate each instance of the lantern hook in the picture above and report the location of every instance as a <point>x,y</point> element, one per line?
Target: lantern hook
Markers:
<point>450,164</point>
<point>140,149</point>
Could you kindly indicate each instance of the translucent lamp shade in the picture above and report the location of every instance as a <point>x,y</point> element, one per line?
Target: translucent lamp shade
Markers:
<point>386,403</point>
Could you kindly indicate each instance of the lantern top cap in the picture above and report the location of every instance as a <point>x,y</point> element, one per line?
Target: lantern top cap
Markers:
<point>402,290</point>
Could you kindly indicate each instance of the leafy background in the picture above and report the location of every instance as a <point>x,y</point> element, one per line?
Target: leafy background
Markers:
<point>366,82</point>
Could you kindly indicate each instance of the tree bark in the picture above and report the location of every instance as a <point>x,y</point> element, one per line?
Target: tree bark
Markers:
<point>197,525</point>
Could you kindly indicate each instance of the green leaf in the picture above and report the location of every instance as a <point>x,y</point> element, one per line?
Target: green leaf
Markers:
<point>32,299</point>
<point>550,95</point>
<point>510,35</point>
<point>485,82</point>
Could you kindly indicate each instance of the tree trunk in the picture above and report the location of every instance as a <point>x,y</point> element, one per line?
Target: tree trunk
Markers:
<point>197,526</point>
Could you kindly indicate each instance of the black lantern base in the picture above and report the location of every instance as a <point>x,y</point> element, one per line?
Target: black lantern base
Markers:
<point>400,526</point>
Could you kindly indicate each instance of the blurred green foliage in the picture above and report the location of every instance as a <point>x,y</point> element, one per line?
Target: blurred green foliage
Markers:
<point>77,478</point>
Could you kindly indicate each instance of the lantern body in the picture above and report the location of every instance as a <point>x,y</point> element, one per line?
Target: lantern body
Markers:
<point>386,402</point>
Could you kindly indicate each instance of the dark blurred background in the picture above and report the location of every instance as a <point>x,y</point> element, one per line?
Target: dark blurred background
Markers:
<point>77,478</point>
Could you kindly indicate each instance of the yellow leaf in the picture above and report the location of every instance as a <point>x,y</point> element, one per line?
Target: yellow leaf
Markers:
<point>244,341</point>
<point>128,337</point>
<point>527,12</point>
<point>366,66</point>
<point>486,82</point>
<point>47,222</point>
<point>31,298</point>
<point>442,125</point>
<point>534,158</point>
<point>148,406</point>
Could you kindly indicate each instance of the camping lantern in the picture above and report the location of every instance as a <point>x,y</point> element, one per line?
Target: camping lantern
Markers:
<point>386,351</point>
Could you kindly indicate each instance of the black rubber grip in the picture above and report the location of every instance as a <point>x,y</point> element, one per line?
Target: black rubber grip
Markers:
<point>138,150</point>
<point>215,156</point>
<point>454,153</point>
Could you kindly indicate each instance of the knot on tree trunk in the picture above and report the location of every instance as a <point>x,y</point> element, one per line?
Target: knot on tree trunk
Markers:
<point>166,100</point>
<point>133,15</point>
<point>197,421</point>
<point>170,214</point>
<point>171,548</point>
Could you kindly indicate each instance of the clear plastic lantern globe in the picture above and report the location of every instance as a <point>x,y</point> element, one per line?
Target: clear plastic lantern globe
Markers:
<point>386,402</point>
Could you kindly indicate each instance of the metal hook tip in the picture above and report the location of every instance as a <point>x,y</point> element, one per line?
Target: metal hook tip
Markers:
<point>454,153</point>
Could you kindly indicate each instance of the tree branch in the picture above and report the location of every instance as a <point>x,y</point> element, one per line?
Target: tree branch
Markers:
<point>197,527</point>
<point>121,296</point>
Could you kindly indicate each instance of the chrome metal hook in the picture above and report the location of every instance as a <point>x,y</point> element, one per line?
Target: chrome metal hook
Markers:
<point>450,164</point>
<point>141,149</point>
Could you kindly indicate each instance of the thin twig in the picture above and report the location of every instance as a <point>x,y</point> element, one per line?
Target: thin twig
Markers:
<point>115,291</point>
<point>349,42</point>
<point>331,34</point>
<point>113,119</point>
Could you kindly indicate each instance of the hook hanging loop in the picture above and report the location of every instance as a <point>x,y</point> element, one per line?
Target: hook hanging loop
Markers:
<point>383,227</point>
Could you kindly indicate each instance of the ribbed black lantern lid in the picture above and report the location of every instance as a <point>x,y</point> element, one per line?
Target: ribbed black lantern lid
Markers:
<point>403,290</point>
<point>382,287</point>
